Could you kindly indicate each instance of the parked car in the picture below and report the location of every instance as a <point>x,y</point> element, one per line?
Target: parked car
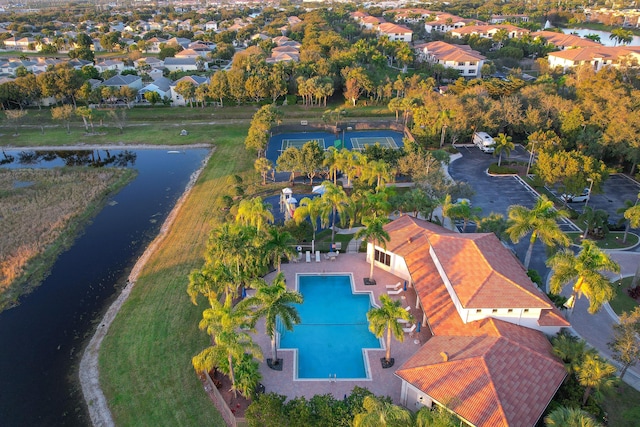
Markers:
<point>572,198</point>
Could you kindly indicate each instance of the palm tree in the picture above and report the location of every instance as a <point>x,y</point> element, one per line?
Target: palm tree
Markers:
<point>436,417</point>
<point>309,208</point>
<point>503,145</point>
<point>274,303</point>
<point>375,234</point>
<point>631,213</point>
<point>448,210</point>
<point>334,201</point>
<point>585,269</point>
<point>278,245</point>
<point>540,221</point>
<point>570,417</point>
<point>377,171</point>
<point>570,349</point>
<point>594,220</point>
<point>332,163</point>
<point>463,210</point>
<point>236,246</point>
<point>595,374</point>
<point>211,281</point>
<point>620,35</point>
<point>385,318</point>
<point>254,212</point>
<point>229,326</point>
<point>380,412</point>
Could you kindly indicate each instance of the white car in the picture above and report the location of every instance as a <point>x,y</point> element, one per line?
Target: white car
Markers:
<point>572,198</point>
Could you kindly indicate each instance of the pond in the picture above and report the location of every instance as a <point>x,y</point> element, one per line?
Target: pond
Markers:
<point>604,35</point>
<point>42,339</point>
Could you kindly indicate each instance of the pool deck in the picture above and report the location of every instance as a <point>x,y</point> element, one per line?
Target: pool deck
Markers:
<point>383,382</point>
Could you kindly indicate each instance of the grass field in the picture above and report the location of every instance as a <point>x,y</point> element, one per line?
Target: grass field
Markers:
<point>621,405</point>
<point>145,362</point>
<point>42,216</point>
<point>613,240</point>
<point>622,301</point>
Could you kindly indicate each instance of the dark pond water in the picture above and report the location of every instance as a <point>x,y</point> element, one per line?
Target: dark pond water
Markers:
<point>41,340</point>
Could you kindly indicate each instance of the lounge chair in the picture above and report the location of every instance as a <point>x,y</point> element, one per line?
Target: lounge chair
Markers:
<point>408,308</point>
<point>308,254</point>
<point>411,329</point>
<point>395,287</point>
<point>396,292</point>
<point>400,320</point>
<point>317,256</point>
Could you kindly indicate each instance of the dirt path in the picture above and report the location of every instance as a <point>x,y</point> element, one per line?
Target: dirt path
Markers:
<point>89,373</point>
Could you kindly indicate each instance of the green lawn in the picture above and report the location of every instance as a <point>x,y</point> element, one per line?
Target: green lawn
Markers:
<point>621,405</point>
<point>145,361</point>
<point>613,240</point>
<point>622,301</point>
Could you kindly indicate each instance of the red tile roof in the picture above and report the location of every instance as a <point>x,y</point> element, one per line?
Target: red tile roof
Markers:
<point>488,380</point>
<point>565,40</point>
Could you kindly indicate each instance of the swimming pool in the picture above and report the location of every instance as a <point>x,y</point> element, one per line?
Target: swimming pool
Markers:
<point>333,336</point>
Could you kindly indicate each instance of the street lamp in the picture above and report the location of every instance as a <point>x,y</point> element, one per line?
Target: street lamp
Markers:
<point>533,147</point>
<point>589,195</point>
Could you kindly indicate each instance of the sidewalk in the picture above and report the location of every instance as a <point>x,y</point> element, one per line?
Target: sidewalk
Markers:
<point>597,329</point>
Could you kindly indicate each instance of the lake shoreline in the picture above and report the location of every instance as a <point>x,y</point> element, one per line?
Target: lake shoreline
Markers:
<point>79,147</point>
<point>89,374</point>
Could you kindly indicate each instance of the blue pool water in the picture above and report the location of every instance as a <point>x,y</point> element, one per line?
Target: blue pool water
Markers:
<point>333,331</point>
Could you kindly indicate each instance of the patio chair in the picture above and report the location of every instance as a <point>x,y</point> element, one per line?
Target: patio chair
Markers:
<point>396,292</point>
<point>317,256</point>
<point>410,330</point>
<point>395,287</point>
<point>308,255</point>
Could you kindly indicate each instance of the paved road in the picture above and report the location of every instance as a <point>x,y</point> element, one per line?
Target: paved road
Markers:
<point>597,329</point>
<point>496,194</point>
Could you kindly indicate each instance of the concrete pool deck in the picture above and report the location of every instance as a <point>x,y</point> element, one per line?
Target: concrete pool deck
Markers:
<point>383,382</point>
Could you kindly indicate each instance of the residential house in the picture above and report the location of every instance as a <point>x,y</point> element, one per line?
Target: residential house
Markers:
<point>184,64</point>
<point>211,26</point>
<point>488,359</point>
<point>178,41</point>
<point>154,44</point>
<point>395,32</point>
<point>134,82</point>
<point>110,64</point>
<point>293,21</point>
<point>176,98</point>
<point>460,57</point>
<point>501,19</point>
<point>488,31</point>
<point>564,41</point>
<point>162,86</point>
<point>410,15</point>
<point>598,57</point>
<point>445,22</point>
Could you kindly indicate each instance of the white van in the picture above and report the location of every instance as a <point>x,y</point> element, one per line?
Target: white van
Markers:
<point>484,142</point>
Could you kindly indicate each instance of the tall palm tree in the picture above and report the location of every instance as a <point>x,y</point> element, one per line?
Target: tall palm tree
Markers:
<point>585,269</point>
<point>278,245</point>
<point>254,212</point>
<point>309,208</point>
<point>436,417</point>
<point>377,171</point>
<point>229,326</point>
<point>463,210</point>
<point>594,220</point>
<point>570,417</point>
<point>540,221</point>
<point>503,145</point>
<point>369,205</point>
<point>211,282</point>
<point>275,303</point>
<point>631,213</point>
<point>375,234</point>
<point>595,374</point>
<point>238,247</point>
<point>448,210</point>
<point>380,412</point>
<point>334,201</point>
<point>385,318</point>
<point>332,163</point>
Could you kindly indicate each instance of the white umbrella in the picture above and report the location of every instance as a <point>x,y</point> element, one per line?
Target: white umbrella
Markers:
<point>319,189</point>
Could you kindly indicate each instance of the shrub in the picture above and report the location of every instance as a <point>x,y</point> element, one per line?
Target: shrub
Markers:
<point>501,170</point>
<point>292,99</point>
<point>535,277</point>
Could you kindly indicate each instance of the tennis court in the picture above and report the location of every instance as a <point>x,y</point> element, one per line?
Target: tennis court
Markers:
<point>361,143</point>
<point>298,143</point>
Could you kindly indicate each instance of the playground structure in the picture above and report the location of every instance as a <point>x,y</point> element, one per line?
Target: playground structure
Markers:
<point>288,203</point>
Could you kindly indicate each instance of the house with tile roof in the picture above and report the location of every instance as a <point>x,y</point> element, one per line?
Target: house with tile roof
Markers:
<point>564,41</point>
<point>118,81</point>
<point>196,81</point>
<point>162,86</point>
<point>411,15</point>
<point>488,359</point>
<point>488,31</point>
<point>460,57</point>
<point>445,22</point>
<point>598,57</point>
<point>395,32</point>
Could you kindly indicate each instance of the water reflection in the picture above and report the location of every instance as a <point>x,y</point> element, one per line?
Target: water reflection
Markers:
<point>93,158</point>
